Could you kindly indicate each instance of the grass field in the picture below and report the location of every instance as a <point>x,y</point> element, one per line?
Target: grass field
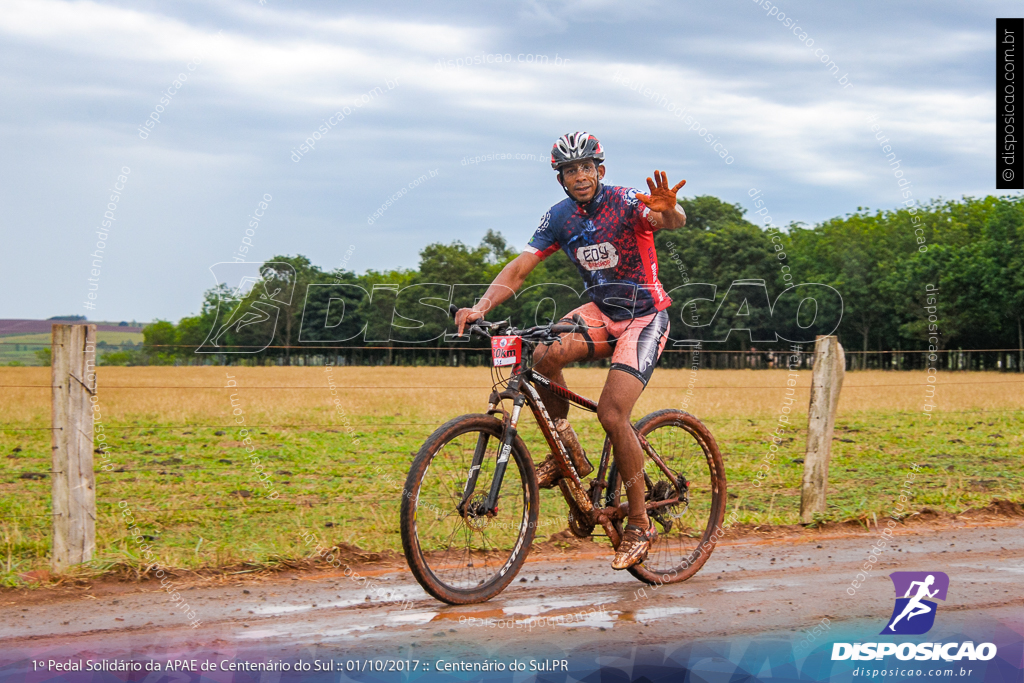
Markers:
<point>181,467</point>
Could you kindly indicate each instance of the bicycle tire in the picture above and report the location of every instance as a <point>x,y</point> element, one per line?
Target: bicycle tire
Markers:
<point>449,451</point>
<point>670,560</point>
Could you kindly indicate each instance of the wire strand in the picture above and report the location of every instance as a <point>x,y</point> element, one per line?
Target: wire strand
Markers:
<point>482,387</point>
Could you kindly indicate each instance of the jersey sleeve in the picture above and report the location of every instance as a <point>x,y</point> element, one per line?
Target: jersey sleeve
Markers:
<point>637,212</point>
<point>544,242</point>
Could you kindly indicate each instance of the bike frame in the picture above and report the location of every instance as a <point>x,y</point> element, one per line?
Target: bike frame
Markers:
<point>521,390</point>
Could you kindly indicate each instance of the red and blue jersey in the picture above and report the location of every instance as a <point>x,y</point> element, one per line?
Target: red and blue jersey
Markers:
<point>611,242</point>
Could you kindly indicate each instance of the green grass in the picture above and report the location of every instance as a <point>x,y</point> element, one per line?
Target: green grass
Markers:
<point>183,495</point>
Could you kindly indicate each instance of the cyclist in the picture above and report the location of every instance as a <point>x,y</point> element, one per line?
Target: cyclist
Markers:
<point>607,232</point>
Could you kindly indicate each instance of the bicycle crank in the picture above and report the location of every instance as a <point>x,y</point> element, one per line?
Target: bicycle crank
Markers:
<point>580,523</point>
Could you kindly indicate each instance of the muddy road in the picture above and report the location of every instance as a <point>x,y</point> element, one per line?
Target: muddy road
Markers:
<point>562,603</point>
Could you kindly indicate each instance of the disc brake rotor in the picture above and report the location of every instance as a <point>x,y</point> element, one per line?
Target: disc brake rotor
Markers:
<point>476,518</point>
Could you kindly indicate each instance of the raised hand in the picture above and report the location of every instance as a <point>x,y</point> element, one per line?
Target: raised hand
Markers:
<point>662,197</point>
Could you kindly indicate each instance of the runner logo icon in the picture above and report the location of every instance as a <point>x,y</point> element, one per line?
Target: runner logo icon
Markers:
<point>913,613</point>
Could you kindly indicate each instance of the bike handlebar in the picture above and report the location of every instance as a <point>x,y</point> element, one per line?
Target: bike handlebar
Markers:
<point>540,334</point>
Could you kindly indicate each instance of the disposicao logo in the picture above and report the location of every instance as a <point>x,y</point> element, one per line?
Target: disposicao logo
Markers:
<point>950,652</point>
<point>913,613</point>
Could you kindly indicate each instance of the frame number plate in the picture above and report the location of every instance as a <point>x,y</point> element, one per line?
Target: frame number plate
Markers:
<point>506,350</point>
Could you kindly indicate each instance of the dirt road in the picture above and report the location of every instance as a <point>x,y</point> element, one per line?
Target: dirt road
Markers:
<point>785,586</point>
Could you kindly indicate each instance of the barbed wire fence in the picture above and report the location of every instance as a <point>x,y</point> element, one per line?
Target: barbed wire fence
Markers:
<point>764,357</point>
<point>710,359</point>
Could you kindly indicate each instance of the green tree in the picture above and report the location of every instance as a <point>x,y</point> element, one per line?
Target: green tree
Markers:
<point>159,343</point>
<point>716,247</point>
<point>880,262</point>
<point>193,330</point>
<point>290,321</point>
<point>849,254</point>
<point>335,310</point>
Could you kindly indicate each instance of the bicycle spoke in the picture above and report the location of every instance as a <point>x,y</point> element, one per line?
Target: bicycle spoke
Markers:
<point>465,551</point>
<point>687,474</point>
<point>682,456</point>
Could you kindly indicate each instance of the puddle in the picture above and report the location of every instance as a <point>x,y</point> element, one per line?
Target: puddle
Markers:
<point>299,630</point>
<point>281,609</point>
<point>739,589</point>
<point>306,629</point>
<point>249,634</point>
<point>397,597</point>
<point>457,614</point>
<point>415,618</point>
<point>288,609</point>
<point>530,614</point>
<point>578,619</point>
<point>534,608</point>
<point>650,614</point>
<point>593,620</point>
<point>655,613</point>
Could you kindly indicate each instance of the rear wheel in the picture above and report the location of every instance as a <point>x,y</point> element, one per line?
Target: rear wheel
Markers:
<point>688,529</point>
<point>467,557</point>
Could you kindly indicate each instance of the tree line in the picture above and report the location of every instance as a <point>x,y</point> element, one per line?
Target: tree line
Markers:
<point>906,285</point>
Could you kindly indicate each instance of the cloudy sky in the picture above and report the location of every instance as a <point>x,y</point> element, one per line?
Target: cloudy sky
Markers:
<point>458,82</point>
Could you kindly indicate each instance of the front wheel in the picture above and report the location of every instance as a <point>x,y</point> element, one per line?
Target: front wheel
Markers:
<point>469,556</point>
<point>689,528</point>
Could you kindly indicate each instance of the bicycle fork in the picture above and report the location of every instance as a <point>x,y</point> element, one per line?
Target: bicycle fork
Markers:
<point>511,430</point>
<point>490,505</point>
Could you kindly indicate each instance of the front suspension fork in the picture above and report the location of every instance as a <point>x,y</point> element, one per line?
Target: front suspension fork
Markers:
<point>504,453</point>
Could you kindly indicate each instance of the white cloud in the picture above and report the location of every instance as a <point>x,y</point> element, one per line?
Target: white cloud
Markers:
<point>87,72</point>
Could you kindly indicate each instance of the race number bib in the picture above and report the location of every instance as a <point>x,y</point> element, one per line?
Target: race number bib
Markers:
<point>598,256</point>
<point>506,350</point>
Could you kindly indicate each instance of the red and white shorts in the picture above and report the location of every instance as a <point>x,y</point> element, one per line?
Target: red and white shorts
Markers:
<point>635,345</point>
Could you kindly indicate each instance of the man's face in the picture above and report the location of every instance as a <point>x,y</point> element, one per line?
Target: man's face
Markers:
<point>581,179</point>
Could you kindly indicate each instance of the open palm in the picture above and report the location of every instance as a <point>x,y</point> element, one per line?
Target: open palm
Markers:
<point>662,197</point>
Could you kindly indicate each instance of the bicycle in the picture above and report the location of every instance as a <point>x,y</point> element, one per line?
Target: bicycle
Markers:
<point>468,519</point>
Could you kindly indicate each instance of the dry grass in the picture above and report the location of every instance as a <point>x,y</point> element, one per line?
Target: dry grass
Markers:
<point>182,478</point>
<point>435,394</point>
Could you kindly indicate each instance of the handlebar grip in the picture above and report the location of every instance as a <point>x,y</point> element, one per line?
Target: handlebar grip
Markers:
<point>580,322</point>
<point>478,327</point>
<point>562,328</point>
<point>471,328</point>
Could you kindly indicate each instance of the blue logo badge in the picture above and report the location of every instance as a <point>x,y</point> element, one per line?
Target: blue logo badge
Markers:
<point>913,613</point>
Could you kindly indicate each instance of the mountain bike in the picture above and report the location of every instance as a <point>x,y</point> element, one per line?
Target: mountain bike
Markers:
<point>469,518</point>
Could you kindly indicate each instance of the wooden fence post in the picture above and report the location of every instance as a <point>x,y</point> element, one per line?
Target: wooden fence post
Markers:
<point>74,484</point>
<point>826,382</point>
